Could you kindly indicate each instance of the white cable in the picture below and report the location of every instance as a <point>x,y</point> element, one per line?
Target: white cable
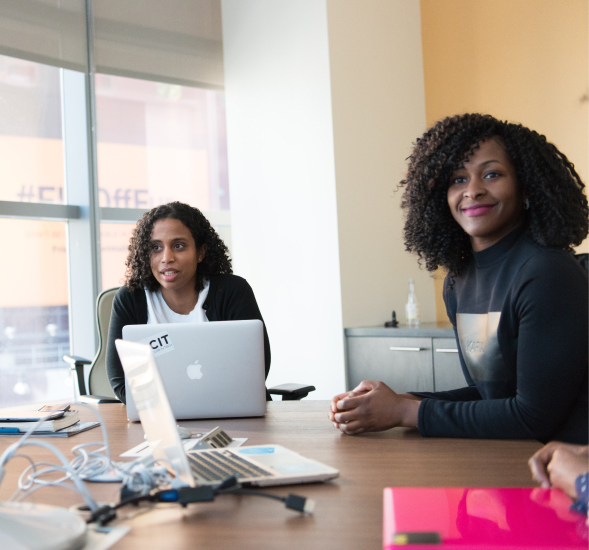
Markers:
<point>140,476</point>
<point>90,464</point>
<point>28,478</point>
<point>143,476</point>
<point>10,451</point>
<point>82,489</point>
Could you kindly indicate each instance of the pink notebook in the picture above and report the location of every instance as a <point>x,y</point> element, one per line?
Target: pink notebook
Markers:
<point>414,517</point>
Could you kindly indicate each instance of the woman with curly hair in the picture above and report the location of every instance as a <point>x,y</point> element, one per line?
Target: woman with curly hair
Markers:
<point>178,271</point>
<point>499,208</point>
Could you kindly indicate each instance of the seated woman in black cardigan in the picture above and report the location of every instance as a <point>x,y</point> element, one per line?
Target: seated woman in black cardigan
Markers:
<point>178,271</point>
<point>500,208</point>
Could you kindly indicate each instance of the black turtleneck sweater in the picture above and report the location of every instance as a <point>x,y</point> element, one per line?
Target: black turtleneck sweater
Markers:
<point>520,316</point>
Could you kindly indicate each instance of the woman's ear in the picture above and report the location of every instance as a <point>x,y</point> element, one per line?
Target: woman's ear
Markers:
<point>202,252</point>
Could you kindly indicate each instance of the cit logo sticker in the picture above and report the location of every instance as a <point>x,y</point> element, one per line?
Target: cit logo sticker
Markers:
<point>160,343</point>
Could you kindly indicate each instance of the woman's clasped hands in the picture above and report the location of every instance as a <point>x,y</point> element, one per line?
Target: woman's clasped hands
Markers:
<point>372,407</point>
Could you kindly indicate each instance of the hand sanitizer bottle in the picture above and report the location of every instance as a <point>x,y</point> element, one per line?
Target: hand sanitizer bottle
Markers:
<point>411,307</point>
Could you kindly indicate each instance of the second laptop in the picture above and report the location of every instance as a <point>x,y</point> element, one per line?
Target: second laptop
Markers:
<point>209,370</point>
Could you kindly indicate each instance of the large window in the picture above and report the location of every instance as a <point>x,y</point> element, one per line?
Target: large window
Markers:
<point>114,244</point>
<point>31,149</point>
<point>34,332</point>
<point>160,142</point>
<point>157,143</point>
<point>104,113</point>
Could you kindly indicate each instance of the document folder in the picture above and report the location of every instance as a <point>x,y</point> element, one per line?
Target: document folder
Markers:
<point>481,519</point>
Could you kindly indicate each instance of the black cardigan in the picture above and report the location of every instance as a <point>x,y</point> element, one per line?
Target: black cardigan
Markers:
<point>230,298</point>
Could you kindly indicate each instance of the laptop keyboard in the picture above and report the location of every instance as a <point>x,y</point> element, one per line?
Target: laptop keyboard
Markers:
<point>219,465</point>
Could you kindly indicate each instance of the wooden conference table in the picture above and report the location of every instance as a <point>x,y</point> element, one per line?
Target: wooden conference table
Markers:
<point>348,510</point>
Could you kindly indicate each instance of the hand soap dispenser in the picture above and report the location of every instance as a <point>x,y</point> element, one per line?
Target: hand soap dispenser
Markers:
<point>411,307</point>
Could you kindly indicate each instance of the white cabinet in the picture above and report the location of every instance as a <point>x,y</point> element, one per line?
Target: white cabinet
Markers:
<point>404,364</point>
<point>411,360</point>
<point>447,370</point>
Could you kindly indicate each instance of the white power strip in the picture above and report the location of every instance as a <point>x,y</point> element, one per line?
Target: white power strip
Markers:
<point>40,527</point>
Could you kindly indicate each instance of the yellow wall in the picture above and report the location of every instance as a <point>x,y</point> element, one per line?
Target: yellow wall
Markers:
<point>378,111</point>
<point>521,60</point>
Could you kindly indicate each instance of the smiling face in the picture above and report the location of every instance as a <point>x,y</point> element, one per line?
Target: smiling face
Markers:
<point>174,256</point>
<point>484,196</point>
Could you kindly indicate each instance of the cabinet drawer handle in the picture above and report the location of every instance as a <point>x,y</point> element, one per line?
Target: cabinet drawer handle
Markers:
<point>406,349</point>
<point>444,350</point>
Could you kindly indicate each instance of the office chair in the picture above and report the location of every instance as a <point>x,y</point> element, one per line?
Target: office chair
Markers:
<point>99,390</point>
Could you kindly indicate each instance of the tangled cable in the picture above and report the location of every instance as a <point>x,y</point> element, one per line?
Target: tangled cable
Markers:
<point>145,479</point>
<point>31,479</point>
<point>90,460</point>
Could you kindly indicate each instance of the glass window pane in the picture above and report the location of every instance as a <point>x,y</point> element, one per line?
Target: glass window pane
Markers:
<point>158,143</point>
<point>31,149</point>
<point>34,332</point>
<point>114,244</point>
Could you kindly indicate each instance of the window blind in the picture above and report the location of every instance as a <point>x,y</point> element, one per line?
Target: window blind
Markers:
<point>175,41</point>
<point>52,32</point>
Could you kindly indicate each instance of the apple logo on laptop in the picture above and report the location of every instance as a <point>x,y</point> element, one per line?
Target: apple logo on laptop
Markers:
<point>193,371</point>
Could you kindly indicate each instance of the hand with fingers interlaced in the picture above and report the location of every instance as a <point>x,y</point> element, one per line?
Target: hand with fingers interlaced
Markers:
<point>372,407</point>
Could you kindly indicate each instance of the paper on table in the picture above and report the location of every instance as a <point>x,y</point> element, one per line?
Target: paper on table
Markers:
<point>142,449</point>
<point>102,540</point>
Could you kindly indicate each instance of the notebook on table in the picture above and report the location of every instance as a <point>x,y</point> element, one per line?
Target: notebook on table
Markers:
<point>209,370</point>
<point>481,519</point>
<point>260,465</point>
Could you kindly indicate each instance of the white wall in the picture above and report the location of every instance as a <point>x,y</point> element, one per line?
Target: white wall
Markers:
<point>282,182</point>
<point>324,99</point>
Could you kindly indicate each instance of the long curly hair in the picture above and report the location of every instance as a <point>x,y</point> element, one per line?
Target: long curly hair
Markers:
<point>216,260</point>
<point>556,212</point>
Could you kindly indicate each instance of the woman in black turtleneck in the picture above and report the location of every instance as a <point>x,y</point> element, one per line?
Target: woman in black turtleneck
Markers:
<point>500,208</point>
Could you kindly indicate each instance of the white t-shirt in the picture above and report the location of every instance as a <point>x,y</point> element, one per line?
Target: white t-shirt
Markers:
<point>159,312</point>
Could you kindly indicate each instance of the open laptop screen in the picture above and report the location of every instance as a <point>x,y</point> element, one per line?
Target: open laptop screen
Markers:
<point>153,406</point>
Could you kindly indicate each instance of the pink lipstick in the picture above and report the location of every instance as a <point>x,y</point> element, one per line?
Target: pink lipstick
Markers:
<point>477,210</point>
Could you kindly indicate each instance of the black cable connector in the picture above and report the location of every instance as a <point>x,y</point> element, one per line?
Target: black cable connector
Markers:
<point>293,502</point>
<point>300,504</point>
<point>227,483</point>
<point>104,515</point>
<point>188,495</point>
<point>128,494</point>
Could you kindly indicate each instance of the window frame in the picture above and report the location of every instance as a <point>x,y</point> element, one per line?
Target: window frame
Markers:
<point>81,210</point>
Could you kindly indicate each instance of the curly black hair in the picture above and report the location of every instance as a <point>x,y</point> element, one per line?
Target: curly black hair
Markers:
<point>556,215</point>
<point>216,260</point>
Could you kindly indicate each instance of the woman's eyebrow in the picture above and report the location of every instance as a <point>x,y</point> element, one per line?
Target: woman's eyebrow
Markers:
<point>461,167</point>
<point>175,239</point>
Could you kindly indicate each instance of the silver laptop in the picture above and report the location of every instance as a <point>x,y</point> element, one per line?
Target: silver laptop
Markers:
<point>209,370</point>
<point>251,465</point>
